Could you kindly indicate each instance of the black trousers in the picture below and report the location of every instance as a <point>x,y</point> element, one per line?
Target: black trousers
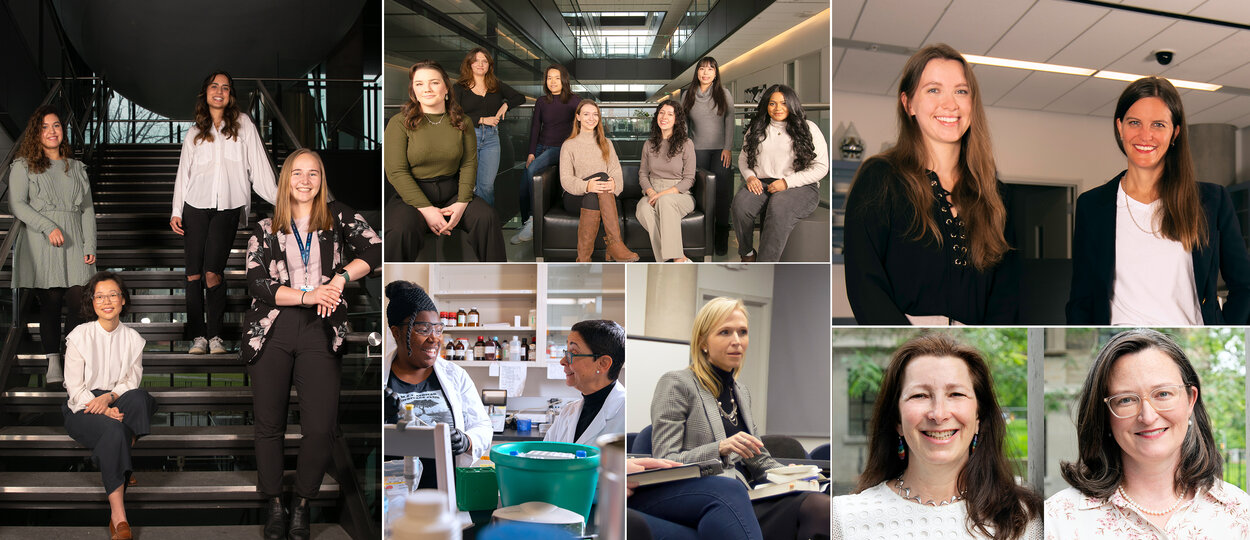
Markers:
<point>108,439</point>
<point>50,302</point>
<point>405,229</point>
<point>297,353</point>
<point>709,160</point>
<point>208,235</point>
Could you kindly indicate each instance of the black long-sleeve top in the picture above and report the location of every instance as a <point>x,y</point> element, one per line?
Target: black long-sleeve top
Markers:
<point>476,106</point>
<point>890,275</point>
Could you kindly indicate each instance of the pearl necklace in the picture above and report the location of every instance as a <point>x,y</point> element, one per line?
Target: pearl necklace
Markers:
<point>1133,504</point>
<point>905,493</point>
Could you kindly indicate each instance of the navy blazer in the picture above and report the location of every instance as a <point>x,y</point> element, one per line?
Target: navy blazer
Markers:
<point>1093,258</point>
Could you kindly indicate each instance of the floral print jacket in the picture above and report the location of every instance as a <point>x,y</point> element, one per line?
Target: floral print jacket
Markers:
<point>267,271</point>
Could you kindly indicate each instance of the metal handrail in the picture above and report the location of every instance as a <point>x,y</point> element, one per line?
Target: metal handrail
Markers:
<point>266,99</point>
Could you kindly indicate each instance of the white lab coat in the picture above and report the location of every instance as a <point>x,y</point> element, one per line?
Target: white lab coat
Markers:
<point>466,406</point>
<point>611,419</point>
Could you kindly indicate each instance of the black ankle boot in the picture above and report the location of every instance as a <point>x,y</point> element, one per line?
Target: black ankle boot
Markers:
<point>299,520</point>
<point>275,520</point>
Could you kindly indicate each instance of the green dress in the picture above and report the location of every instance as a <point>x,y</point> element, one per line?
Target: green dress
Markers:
<point>53,199</point>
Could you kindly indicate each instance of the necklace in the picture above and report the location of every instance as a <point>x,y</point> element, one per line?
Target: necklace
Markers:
<point>905,493</point>
<point>440,120</point>
<point>732,415</point>
<point>1133,504</point>
<point>1129,208</point>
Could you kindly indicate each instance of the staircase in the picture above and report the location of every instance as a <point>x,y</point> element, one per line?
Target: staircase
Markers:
<point>199,459</point>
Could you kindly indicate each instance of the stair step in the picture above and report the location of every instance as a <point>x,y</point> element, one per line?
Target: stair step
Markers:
<point>185,399</point>
<point>190,489</point>
<point>163,441</point>
<point>184,363</point>
<point>320,531</point>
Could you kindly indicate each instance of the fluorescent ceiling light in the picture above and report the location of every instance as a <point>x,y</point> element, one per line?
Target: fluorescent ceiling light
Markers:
<point>1130,77</point>
<point>1021,64</point>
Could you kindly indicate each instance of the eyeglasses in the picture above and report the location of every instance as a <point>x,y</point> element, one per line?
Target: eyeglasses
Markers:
<point>568,356</point>
<point>102,298</point>
<point>427,328</point>
<point>1163,398</point>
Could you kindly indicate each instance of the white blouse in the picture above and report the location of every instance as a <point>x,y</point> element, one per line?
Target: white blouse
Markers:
<point>775,157</point>
<point>1219,514</point>
<point>221,175</point>
<point>878,513</point>
<point>96,359</point>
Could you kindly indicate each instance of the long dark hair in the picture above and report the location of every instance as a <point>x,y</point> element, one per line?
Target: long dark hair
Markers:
<point>31,150</point>
<point>565,91</point>
<point>677,140</point>
<point>717,91</point>
<point>466,70</point>
<point>796,128</point>
<point>997,506</point>
<point>1183,218</point>
<point>1099,469</point>
<point>204,119</point>
<point>412,110</point>
<point>976,194</point>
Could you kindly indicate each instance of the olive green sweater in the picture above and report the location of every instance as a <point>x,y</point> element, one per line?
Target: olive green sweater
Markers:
<point>433,149</point>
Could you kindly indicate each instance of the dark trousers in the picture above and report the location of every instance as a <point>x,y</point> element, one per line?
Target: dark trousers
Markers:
<point>50,302</point>
<point>297,353</point>
<point>712,507</point>
<point>544,156</point>
<point>709,160</point>
<point>208,236</point>
<point>785,209</point>
<point>108,439</point>
<point>405,229</point>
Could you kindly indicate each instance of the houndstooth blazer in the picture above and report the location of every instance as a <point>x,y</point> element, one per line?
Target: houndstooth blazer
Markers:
<point>686,427</point>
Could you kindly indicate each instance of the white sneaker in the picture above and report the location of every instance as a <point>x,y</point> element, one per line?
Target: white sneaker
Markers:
<point>199,345</point>
<point>215,346</point>
<point>54,375</point>
<point>526,234</point>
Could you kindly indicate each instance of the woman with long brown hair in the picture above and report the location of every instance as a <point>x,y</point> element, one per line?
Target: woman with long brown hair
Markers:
<point>550,125</point>
<point>935,453</point>
<point>666,175</point>
<point>928,239</point>
<point>709,108</point>
<point>1148,464</point>
<point>223,159</point>
<point>485,99</point>
<point>55,253</point>
<point>590,174</point>
<point>431,161</point>
<point>1150,246</point>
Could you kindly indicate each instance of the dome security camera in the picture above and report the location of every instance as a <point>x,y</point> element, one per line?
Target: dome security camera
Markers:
<point>1164,57</point>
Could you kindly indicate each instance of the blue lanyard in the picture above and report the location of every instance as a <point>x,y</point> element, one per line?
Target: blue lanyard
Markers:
<point>305,246</point>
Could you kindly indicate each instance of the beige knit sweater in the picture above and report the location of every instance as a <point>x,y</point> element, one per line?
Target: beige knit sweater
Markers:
<point>580,157</point>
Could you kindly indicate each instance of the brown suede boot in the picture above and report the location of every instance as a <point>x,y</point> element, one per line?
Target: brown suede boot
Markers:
<point>587,229</point>
<point>612,231</point>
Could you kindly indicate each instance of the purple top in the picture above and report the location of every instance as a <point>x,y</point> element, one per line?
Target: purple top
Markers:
<point>552,121</point>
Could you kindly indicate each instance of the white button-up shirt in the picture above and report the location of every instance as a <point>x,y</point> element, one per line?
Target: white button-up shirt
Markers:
<point>1220,513</point>
<point>221,175</point>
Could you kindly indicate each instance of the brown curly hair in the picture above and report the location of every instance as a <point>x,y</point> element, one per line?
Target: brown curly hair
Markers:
<point>31,150</point>
<point>204,119</point>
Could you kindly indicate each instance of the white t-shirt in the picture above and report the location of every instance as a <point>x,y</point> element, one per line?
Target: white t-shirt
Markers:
<point>96,359</point>
<point>1154,276</point>
<point>878,513</point>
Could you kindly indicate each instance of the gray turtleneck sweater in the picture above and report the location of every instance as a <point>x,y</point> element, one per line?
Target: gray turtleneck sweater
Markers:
<point>708,130</point>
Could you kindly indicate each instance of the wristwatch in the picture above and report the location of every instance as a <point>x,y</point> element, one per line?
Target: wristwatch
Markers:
<point>347,278</point>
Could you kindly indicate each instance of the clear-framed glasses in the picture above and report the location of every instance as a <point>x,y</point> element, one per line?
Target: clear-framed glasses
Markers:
<point>427,328</point>
<point>106,297</point>
<point>1163,398</point>
<point>568,356</point>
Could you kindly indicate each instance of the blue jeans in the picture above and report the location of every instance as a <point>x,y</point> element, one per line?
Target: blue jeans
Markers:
<point>544,156</point>
<point>487,162</point>
<point>711,507</point>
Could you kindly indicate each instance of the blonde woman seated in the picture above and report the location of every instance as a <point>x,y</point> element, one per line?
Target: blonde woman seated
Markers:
<point>666,176</point>
<point>1148,465</point>
<point>701,412</point>
<point>936,464</point>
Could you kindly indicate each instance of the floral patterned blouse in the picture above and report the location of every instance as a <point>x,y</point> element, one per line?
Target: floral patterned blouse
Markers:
<point>267,271</point>
<point>1219,514</point>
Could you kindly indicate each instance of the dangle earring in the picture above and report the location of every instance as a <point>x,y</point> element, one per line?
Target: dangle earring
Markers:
<point>975,436</point>
<point>902,450</point>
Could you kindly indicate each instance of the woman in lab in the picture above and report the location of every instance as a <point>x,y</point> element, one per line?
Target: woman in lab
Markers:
<point>684,430</point>
<point>106,411</point>
<point>590,174</point>
<point>485,100</point>
<point>298,264</point>
<point>936,462</point>
<point>431,161</point>
<point>550,125</point>
<point>592,362</point>
<point>666,175</point>
<point>440,391</point>
<point>55,253</point>
<point>784,157</point>
<point>1148,465</point>
<point>223,159</point>
<point>928,241</point>
<point>1150,246</point>
<point>709,107</point>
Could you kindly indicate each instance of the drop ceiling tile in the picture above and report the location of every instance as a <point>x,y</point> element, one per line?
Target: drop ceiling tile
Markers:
<point>973,26</point>
<point>1196,101</point>
<point>1223,113</point>
<point>868,72</point>
<point>1110,38</point>
<point>845,15</point>
<point>1087,97</point>
<point>1218,59</point>
<point>995,82</point>
<point>1187,39</point>
<point>1237,11</point>
<point>1046,29</point>
<point>898,22</point>
<point>1170,6</point>
<point>1237,77</point>
<point>1038,90</point>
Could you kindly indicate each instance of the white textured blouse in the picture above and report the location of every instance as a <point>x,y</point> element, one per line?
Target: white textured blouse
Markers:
<point>96,359</point>
<point>1219,514</point>
<point>775,157</point>
<point>878,513</point>
<point>221,175</point>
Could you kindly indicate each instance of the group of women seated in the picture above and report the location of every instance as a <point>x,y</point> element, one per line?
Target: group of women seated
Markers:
<point>929,239</point>
<point>444,151</point>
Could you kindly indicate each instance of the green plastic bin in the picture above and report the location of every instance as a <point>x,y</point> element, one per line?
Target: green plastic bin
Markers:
<point>567,483</point>
<point>476,488</point>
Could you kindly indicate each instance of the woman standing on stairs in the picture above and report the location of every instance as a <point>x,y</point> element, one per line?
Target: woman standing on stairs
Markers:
<point>298,264</point>
<point>56,250</point>
<point>106,410</point>
<point>590,174</point>
<point>223,159</point>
